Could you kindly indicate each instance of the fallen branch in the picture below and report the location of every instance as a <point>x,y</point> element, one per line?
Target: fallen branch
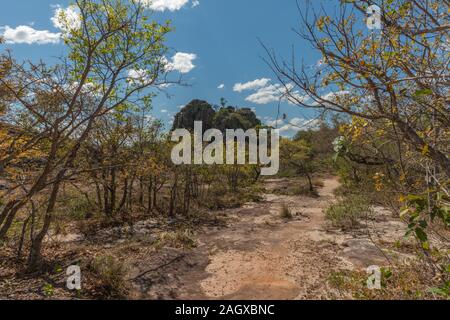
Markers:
<point>157,268</point>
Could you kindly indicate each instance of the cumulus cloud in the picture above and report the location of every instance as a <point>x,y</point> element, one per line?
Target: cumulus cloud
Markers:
<point>181,62</point>
<point>251,85</point>
<point>66,19</point>
<point>29,35</point>
<point>139,76</point>
<point>288,128</point>
<point>265,92</point>
<point>274,123</point>
<point>330,96</point>
<point>195,3</point>
<point>333,95</point>
<point>163,5</point>
<point>221,86</point>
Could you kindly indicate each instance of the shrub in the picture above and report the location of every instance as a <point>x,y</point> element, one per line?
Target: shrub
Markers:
<point>110,274</point>
<point>48,290</point>
<point>222,198</point>
<point>304,190</point>
<point>348,211</point>
<point>177,239</point>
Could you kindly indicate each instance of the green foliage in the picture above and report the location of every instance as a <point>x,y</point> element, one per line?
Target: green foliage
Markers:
<point>442,291</point>
<point>232,118</point>
<point>224,118</point>
<point>420,208</point>
<point>410,282</point>
<point>48,290</point>
<point>76,207</point>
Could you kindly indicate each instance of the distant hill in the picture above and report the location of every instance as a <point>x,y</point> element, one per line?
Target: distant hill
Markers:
<point>224,118</point>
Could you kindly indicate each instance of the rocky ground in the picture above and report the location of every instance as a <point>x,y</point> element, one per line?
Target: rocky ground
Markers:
<point>259,255</point>
<point>244,253</point>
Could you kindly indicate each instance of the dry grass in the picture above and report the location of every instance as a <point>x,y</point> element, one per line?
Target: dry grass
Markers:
<point>412,282</point>
<point>285,212</point>
<point>110,275</point>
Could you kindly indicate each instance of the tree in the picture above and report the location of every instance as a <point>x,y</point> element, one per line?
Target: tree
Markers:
<point>297,154</point>
<point>394,86</point>
<point>397,77</point>
<point>115,56</point>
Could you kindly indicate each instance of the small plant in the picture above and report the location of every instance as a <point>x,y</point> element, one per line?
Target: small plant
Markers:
<point>48,290</point>
<point>347,212</point>
<point>304,190</point>
<point>110,273</point>
<point>177,239</point>
<point>285,212</point>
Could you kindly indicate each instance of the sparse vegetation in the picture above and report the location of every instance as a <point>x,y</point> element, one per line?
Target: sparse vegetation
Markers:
<point>110,275</point>
<point>400,283</point>
<point>181,238</point>
<point>86,171</point>
<point>348,212</point>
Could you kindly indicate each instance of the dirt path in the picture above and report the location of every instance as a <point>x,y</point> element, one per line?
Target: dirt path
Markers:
<point>275,260</point>
<point>258,255</point>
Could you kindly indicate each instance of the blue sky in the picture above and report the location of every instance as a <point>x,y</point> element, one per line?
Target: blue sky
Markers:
<point>222,35</point>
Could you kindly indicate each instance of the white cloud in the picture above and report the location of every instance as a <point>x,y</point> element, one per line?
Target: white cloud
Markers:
<point>288,128</point>
<point>164,111</point>
<point>268,94</point>
<point>28,35</point>
<point>265,92</point>
<point>221,86</point>
<point>330,96</point>
<point>333,95</point>
<point>182,62</point>
<point>139,77</point>
<point>163,5</point>
<point>195,3</point>
<point>251,85</point>
<point>275,123</point>
<point>66,19</point>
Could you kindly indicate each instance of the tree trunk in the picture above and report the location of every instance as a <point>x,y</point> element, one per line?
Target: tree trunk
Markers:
<point>149,201</point>
<point>34,259</point>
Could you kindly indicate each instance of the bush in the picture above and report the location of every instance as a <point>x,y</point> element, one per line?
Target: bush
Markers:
<point>222,198</point>
<point>347,212</point>
<point>110,274</point>
<point>176,239</point>
<point>304,190</point>
<point>74,206</point>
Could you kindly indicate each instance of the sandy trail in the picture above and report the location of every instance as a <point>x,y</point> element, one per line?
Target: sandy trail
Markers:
<point>280,263</point>
<point>258,255</point>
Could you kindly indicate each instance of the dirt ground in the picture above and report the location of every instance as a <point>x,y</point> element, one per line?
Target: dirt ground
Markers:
<point>249,252</point>
<point>258,255</point>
